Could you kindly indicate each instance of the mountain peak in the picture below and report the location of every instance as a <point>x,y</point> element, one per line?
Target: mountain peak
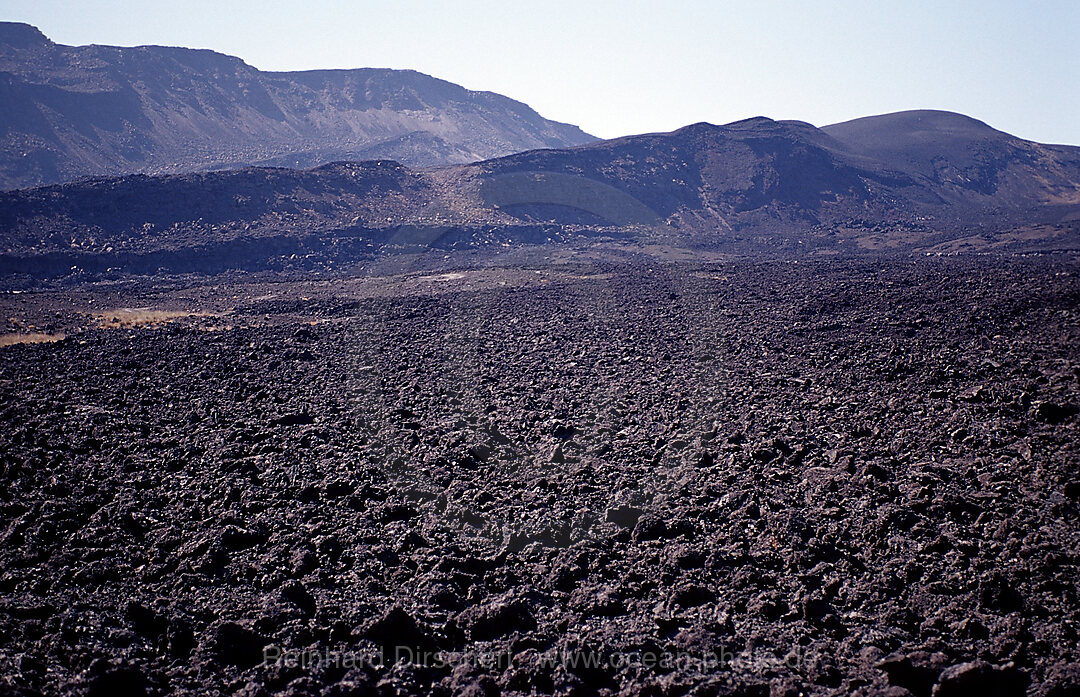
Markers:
<point>752,121</point>
<point>908,123</point>
<point>699,127</point>
<point>20,35</point>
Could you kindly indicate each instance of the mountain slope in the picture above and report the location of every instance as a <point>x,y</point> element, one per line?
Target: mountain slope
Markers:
<point>69,112</point>
<point>962,158</point>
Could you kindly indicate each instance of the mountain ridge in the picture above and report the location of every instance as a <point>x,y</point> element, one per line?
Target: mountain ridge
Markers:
<point>76,111</point>
<point>753,187</point>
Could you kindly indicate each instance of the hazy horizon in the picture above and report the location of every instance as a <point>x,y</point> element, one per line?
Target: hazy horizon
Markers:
<point>618,69</point>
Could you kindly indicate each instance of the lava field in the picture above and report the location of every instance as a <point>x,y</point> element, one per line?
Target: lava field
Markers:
<point>823,477</point>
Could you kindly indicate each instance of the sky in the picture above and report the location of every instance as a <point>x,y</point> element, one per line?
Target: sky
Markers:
<point>617,67</point>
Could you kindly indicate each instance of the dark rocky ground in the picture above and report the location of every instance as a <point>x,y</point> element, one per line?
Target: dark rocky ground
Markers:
<point>834,477</point>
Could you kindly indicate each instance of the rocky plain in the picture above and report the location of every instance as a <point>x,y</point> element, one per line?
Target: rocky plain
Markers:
<point>592,475</point>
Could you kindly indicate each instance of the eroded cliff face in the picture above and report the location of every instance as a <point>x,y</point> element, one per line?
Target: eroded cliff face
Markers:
<point>77,111</point>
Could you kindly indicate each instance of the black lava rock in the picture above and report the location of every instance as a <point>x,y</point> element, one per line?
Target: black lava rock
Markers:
<point>1053,413</point>
<point>233,644</point>
<point>981,678</point>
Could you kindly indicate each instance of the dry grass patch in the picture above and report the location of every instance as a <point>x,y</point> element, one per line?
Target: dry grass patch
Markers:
<point>127,317</point>
<point>31,338</point>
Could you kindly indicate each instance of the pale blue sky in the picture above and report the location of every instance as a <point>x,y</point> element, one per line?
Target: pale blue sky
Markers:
<point>616,67</point>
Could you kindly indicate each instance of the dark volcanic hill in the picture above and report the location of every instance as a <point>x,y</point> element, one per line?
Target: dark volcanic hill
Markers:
<point>68,112</point>
<point>939,167</point>
<point>956,158</point>
<point>909,181</point>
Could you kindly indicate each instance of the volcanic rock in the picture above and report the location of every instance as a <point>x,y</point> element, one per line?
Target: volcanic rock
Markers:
<point>979,677</point>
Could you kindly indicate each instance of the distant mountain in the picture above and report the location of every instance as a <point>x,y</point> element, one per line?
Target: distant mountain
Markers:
<point>909,181</point>
<point>69,112</point>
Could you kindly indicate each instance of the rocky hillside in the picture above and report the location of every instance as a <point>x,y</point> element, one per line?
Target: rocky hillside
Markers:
<point>954,158</point>
<point>69,112</point>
